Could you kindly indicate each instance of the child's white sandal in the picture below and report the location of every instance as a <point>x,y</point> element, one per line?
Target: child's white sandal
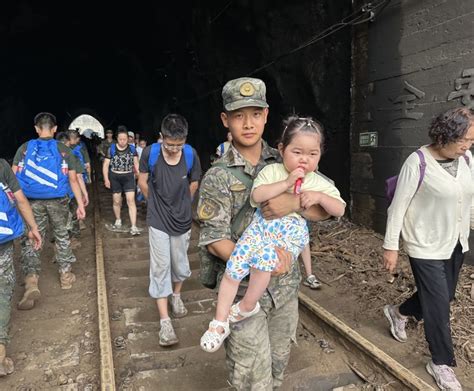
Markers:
<point>236,315</point>
<point>211,341</point>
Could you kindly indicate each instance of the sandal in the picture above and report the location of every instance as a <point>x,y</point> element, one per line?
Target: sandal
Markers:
<point>236,315</point>
<point>211,341</point>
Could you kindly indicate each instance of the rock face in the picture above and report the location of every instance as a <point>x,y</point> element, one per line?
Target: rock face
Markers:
<point>134,64</point>
<point>413,62</point>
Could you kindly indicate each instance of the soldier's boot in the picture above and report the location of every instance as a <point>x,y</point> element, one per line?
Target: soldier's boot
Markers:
<point>67,279</point>
<point>31,294</point>
<point>6,363</point>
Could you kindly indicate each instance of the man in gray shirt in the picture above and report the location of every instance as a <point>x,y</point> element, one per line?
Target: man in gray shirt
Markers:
<point>169,175</point>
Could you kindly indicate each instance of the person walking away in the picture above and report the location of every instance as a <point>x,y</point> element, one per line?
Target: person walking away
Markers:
<point>300,148</point>
<point>258,348</point>
<point>79,150</point>
<point>123,162</point>
<point>432,210</point>
<point>73,223</point>
<point>13,207</point>
<point>46,171</point>
<point>169,175</point>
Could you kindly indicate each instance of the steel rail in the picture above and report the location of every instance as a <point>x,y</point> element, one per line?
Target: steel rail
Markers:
<point>107,375</point>
<point>367,348</point>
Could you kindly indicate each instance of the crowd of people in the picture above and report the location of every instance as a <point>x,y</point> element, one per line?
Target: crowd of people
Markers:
<point>254,206</point>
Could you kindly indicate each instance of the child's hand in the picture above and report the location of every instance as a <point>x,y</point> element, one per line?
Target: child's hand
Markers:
<point>310,198</point>
<point>294,175</point>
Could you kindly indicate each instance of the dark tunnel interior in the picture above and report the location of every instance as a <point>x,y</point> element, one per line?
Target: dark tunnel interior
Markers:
<point>132,63</point>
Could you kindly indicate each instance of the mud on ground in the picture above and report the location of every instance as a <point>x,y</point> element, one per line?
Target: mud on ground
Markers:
<point>348,259</point>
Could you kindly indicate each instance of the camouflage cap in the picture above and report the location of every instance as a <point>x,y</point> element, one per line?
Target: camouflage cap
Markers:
<point>244,92</point>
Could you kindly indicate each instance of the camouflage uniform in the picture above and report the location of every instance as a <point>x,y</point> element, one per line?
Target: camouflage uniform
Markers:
<point>7,284</point>
<point>56,212</point>
<point>7,271</point>
<point>258,348</point>
<point>73,223</point>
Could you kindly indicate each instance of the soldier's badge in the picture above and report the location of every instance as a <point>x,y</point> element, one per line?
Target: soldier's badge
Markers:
<point>247,89</point>
<point>208,209</point>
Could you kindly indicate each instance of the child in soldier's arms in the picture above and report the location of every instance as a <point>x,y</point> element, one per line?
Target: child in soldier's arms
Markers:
<point>300,147</point>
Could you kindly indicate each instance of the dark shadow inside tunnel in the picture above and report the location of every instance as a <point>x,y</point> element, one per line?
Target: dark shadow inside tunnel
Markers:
<point>133,63</point>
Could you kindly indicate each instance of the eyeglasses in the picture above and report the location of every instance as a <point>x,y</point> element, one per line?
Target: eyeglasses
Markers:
<point>173,147</point>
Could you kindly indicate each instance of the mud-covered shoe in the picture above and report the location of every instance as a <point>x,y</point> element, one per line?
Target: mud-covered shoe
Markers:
<point>167,335</point>
<point>6,363</point>
<point>444,376</point>
<point>31,294</point>
<point>397,323</point>
<point>312,282</point>
<point>178,310</point>
<point>67,279</point>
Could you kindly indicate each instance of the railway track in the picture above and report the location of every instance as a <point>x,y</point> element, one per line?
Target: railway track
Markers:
<point>327,353</point>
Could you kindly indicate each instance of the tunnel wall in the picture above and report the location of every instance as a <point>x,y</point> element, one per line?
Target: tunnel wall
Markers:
<point>408,66</point>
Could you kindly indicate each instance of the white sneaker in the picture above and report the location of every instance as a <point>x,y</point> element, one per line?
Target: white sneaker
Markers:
<point>117,224</point>
<point>134,231</point>
<point>167,335</point>
<point>397,323</point>
<point>444,376</point>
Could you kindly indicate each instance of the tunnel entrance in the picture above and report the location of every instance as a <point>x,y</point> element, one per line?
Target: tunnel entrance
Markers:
<point>87,126</point>
<point>133,64</point>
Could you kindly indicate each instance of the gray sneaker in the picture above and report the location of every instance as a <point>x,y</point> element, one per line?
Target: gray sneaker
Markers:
<point>444,376</point>
<point>178,310</point>
<point>167,335</point>
<point>397,323</point>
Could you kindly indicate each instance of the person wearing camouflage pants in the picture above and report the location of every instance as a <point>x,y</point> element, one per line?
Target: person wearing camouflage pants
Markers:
<point>55,211</point>
<point>10,185</point>
<point>258,348</point>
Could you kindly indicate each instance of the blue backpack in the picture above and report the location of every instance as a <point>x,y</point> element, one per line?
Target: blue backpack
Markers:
<point>155,152</point>
<point>43,172</point>
<point>77,152</point>
<point>11,223</point>
<point>113,149</point>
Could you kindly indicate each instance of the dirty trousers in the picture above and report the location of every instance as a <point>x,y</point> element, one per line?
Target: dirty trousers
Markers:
<point>54,211</point>
<point>258,348</point>
<point>7,283</point>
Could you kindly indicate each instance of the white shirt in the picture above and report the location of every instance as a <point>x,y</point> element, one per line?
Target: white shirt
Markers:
<point>432,219</point>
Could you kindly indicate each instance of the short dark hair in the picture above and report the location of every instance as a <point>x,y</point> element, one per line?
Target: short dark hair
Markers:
<point>451,125</point>
<point>45,120</point>
<point>174,126</point>
<point>62,137</point>
<point>73,133</point>
<point>122,131</point>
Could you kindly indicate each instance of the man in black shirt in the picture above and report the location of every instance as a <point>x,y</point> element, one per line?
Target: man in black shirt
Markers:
<point>169,175</point>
